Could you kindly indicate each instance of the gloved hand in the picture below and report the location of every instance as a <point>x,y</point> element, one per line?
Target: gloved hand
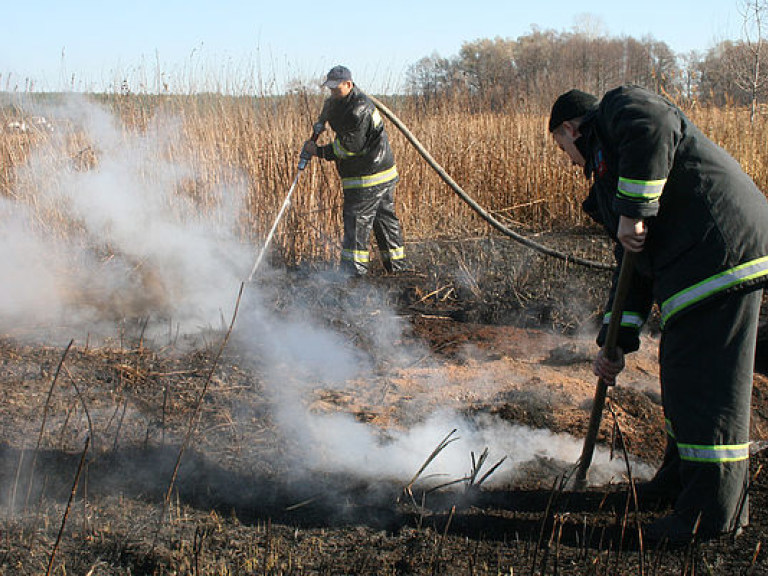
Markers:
<point>632,233</point>
<point>307,151</point>
<point>607,369</point>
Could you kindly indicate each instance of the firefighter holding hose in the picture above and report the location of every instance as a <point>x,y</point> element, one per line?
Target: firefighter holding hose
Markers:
<point>368,173</point>
<point>697,226</point>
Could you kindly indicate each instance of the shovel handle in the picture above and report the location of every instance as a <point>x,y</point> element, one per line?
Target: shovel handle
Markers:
<point>611,337</point>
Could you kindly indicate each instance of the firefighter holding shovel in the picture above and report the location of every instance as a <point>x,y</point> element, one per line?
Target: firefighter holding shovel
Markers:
<point>368,173</point>
<point>696,227</point>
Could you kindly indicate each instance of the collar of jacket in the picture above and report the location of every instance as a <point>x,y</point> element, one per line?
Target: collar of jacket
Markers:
<point>589,143</point>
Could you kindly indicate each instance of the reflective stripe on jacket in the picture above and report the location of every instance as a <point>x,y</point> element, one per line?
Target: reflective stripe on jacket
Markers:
<point>707,221</point>
<point>371,180</point>
<point>361,147</point>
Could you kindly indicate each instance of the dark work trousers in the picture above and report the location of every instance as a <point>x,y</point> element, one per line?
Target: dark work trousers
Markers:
<point>366,209</point>
<point>707,360</point>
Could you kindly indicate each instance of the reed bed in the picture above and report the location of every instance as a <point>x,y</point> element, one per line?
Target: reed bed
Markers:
<point>503,159</point>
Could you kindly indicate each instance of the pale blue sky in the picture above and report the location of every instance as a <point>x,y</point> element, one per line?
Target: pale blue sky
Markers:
<point>202,45</point>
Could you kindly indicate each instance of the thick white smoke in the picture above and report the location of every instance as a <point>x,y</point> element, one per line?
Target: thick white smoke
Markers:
<point>83,244</point>
<point>107,232</point>
<point>301,357</point>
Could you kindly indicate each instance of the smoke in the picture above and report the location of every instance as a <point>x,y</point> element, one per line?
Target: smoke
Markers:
<point>28,285</point>
<point>301,358</point>
<point>109,231</point>
<point>337,443</point>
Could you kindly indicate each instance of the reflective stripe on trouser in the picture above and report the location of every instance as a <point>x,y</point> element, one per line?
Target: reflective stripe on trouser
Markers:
<point>367,209</point>
<point>707,357</point>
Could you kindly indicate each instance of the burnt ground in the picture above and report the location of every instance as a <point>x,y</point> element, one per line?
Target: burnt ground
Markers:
<point>188,469</point>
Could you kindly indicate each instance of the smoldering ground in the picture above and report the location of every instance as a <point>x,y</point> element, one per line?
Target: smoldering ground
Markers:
<point>89,248</point>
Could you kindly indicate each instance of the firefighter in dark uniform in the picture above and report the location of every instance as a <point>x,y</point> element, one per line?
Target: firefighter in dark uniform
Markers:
<point>698,226</point>
<point>368,173</point>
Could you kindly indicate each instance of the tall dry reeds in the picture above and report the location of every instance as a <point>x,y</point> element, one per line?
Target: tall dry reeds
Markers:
<point>505,160</point>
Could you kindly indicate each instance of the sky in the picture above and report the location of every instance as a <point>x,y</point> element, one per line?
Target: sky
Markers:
<point>92,45</point>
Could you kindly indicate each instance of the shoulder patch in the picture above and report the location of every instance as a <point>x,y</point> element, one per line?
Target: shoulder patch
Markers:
<point>376,118</point>
<point>599,164</point>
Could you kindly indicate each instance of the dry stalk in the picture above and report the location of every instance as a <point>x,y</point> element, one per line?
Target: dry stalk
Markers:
<point>82,402</point>
<point>557,489</point>
<point>435,293</point>
<point>422,511</point>
<point>440,447</point>
<point>119,426</point>
<point>439,549</point>
<point>197,548</point>
<point>193,419</point>
<point>447,484</point>
<point>70,411</point>
<point>471,480</point>
<point>42,425</point>
<point>692,546</point>
<point>631,496</point>
<point>166,394</point>
<point>477,464</point>
<point>476,470</point>
<point>301,504</point>
<point>755,554</point>
<point>554,542</point>
<point>557,547</point>
<point>16,481</point>
<point>72,494</point>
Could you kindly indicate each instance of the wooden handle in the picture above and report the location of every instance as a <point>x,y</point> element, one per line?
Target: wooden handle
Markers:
<point>611,337</point>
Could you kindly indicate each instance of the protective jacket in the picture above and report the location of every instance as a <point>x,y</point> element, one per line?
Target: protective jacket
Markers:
<point>368,173</point>
<point>361,147</point>
<point>707,221</point>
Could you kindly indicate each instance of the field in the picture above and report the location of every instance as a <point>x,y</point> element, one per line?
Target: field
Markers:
<point>159,416</point>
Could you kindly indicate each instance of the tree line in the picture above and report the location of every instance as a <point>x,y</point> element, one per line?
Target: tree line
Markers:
<point>530,71</point>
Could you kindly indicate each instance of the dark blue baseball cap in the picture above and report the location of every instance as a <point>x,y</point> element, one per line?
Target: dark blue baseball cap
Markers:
<point>336,76</point>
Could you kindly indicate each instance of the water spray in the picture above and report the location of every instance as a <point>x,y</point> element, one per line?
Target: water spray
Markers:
<point>304,159</point>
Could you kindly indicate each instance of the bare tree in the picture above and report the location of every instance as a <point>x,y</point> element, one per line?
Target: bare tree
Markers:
<point>489,67</point>
<point>531,70</point>
<point>432,76</point>
<point>717,78</point>
<point>690,76</point>
<point>750,73</point>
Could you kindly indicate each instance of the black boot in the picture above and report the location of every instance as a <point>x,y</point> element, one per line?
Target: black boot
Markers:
<point>660,492</point>
<point>678,529</point>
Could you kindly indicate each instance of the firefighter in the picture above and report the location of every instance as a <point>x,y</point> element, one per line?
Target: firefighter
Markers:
<point>368,173</point>
<point>699,228</point>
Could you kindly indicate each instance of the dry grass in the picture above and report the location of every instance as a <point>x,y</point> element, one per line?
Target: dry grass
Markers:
<point>506,161</point>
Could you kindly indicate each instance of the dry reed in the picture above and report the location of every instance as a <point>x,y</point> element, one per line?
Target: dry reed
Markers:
<point>505,160</point>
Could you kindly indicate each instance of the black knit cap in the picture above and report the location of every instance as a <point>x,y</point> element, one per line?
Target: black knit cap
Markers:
<point>572,104</point>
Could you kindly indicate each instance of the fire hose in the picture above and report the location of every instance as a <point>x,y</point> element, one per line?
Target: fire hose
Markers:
<point>474,205</point>
<point>318,129</point>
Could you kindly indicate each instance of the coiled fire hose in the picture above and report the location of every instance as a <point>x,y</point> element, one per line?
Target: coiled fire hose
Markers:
<point>475,206</point>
